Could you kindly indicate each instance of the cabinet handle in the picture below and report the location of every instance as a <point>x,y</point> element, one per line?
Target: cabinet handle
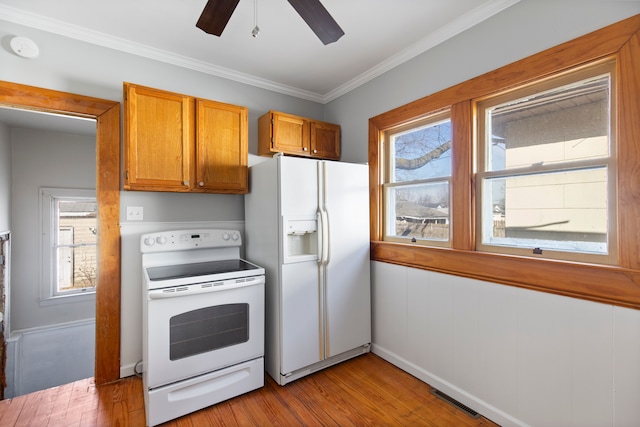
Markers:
<point>201,184</point>
<point>304,148</point>
<point>186,183</point>
<point>315,151</point>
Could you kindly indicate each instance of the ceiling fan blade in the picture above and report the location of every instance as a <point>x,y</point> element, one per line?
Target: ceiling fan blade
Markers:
<point>215,16</point>
<point>318,19</point>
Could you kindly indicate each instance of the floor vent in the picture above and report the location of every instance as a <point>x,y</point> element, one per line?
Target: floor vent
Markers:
<point>464,408</point>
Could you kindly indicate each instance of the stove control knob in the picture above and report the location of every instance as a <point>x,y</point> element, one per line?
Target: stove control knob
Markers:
<point>149,241</point>
<point>161,240</point>
<point>225,236</point>
<point>235,236</point>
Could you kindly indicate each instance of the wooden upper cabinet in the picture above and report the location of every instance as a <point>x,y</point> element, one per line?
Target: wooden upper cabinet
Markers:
<point>180,143</point>
<point>299,136</point>
<point>325,140</point>
<point>159,138</point>
<point>221,147</point>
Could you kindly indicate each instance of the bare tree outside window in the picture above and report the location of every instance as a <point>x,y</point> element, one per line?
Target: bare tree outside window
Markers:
<point>418,184</point>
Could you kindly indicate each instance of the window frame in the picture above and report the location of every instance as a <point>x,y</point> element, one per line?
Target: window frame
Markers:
<point>613,284</point>
<point>591,70</point>
<point>389,183</point>
<point>49,293</point>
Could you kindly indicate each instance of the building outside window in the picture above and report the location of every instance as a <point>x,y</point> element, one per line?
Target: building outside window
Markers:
<point>69,242</point>
<point>545,162</point>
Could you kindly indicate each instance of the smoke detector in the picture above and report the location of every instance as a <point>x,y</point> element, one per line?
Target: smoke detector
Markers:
<point>24,47</point>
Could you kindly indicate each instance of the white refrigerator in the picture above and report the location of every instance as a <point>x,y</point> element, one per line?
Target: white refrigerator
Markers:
<point>307,224</point>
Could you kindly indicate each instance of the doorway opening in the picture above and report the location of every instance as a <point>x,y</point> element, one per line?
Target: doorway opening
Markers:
<point>107,116</point>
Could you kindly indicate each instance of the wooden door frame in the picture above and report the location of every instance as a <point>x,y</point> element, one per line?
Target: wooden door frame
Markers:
<point>107,116</point>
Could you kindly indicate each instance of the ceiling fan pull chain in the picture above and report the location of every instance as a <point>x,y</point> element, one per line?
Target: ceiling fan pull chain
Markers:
<point>256,29</point>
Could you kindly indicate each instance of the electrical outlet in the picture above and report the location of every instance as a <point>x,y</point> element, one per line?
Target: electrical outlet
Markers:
<point>134,213</point>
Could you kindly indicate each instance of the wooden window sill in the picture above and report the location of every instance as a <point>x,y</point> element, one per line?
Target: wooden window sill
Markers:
<point>604,284</point>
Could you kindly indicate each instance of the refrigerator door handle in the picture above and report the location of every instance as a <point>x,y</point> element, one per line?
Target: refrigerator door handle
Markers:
<point>320,234</point>
<point>322,208</point>
<point>325,237</point>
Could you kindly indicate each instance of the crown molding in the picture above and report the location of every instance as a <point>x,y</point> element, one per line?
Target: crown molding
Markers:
<point>451,29</point>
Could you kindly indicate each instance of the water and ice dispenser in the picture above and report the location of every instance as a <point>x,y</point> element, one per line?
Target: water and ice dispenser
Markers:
<point>301,239</point>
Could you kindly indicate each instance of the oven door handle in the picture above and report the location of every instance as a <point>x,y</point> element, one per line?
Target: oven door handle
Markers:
<point>203,288</point>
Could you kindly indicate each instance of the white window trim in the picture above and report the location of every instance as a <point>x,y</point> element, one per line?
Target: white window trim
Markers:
<point>47,293</point>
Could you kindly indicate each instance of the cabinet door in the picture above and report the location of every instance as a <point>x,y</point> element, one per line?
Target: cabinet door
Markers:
<point>290,134</point>
<point>325,140</point>
<point>158,139</point>
<point>221,147</point>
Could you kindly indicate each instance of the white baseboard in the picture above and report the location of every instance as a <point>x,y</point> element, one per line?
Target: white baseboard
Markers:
<point>128,370</point>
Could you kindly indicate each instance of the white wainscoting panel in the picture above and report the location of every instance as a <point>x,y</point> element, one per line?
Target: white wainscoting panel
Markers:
<point>439,328</point>
<point>466,334</point>
<point>517,356</point>
<point>497,355</point>
<point>592,364</point>
<point>417,286</point>
<point>544,359</point>
<point>390,305</point>
<point>46,357</point>
<point>626,361</point>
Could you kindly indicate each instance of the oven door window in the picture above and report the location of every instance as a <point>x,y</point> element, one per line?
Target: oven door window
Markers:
<point>208,329</point>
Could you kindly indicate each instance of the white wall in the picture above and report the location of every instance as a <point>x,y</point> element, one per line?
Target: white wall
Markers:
<point>517,356</point>
<point>5,178</point>
<point>43,159</point>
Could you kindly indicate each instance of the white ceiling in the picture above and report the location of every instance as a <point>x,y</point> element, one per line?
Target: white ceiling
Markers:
<point>286,56</point>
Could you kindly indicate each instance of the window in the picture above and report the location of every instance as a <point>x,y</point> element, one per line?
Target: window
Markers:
<point>546,167</point>
<point>543,173</point>
<point>69,242</point>
<point>418,181</point>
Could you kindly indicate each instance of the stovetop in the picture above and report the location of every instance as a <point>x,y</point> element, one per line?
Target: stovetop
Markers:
<point>198,269</point>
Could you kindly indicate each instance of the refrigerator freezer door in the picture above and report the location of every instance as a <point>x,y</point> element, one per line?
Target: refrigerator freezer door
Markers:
<point>298,186</point>
<point>300,309</point>
<point>300,316</point>
<point>347,276</point>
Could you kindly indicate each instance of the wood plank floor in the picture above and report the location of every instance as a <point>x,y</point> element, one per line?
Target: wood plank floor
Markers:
<point>365,391</point>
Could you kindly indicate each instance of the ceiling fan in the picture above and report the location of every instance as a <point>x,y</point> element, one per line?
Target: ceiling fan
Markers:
<point>217,13</point>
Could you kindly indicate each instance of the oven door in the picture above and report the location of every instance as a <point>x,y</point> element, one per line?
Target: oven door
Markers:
<point>191,334</point>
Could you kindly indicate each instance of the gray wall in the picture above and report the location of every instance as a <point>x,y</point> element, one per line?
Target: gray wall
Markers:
<point>5,178</point>
<point>43,159</point>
